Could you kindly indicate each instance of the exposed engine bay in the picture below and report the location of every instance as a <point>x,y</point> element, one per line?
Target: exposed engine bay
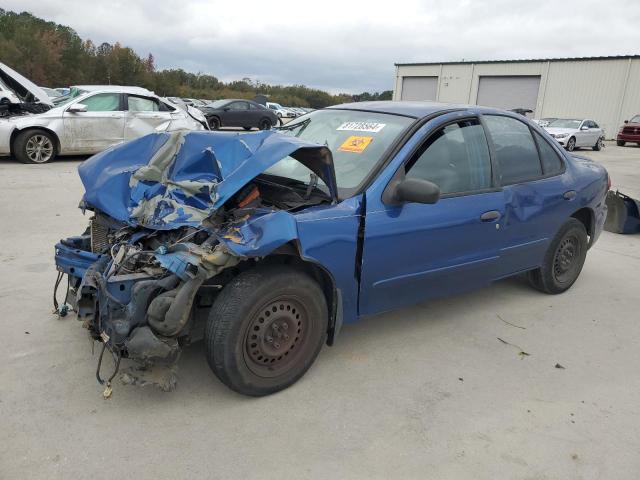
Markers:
<point>143,292</point>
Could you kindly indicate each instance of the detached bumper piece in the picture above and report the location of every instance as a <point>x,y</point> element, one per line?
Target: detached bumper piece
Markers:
<point>623,213</point>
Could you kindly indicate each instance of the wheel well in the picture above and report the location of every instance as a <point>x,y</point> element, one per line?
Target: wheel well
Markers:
<point>586,216</point>
<point>17,132</point>
<point>289,255</point>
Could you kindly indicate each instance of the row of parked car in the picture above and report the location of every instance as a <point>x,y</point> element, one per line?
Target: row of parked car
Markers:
<point>42,123</point>
<point>573,133</point>
<point>236,112</point>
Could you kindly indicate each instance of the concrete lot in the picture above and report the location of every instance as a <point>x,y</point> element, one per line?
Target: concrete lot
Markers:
<point>427,392</point>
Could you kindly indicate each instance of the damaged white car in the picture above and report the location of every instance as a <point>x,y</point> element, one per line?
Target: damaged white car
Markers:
<point>92,118</point>
<point>19,96</point>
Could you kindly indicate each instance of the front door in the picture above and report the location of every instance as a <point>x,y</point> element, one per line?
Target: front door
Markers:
<point>101,126</point>
<point>236,115</point>
<point>413,252</point>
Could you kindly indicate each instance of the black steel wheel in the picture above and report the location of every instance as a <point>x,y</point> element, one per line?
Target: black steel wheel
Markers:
<point>563,261</point>
<point>571,144</point>
<point>265,329</point>
<point>620,143</point>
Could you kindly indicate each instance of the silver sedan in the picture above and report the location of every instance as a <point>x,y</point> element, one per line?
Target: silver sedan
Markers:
<point>90,120</point>
<point>573,132</point>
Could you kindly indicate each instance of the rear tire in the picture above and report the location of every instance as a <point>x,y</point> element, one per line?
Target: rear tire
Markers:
<point>265,124</point>
<point>598,146</point>
<point>563,260</point>
<point>571,144</point>
<point>620,143</point>
<point>265,329</point>
<point>35,146</point>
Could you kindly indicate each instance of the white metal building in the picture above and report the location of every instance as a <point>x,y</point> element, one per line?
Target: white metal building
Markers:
<point>604,89</point>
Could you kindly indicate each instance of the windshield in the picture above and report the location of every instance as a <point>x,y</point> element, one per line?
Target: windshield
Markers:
<point>357,141</point>
<point>217,103</point>
<point>635,119</point>
<point>72,95</point>
<point>565,123</point>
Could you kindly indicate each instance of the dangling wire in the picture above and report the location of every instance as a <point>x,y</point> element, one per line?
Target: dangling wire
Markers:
<point>61,310</point>
<point>116,361</point>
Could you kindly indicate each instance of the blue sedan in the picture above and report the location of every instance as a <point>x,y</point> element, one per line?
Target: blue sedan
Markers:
<point>266,243</point>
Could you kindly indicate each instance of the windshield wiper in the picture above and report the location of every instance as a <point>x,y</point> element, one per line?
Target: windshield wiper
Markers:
<point>290,127</point>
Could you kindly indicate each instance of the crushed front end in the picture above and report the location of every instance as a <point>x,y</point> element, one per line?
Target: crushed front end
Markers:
<point>174,216</point>
<point>135,290</point>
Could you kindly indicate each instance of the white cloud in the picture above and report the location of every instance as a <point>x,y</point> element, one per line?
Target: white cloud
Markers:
<point>345,45</point>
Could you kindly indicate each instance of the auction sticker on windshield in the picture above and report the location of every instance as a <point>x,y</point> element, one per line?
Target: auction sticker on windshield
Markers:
<point>362,126</point>
<point>355,144</point>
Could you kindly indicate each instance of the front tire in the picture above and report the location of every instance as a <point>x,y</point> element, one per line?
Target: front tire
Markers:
<point>214,123</point>
<point>563,261</point>
<point>571,144</point>
<point>265,329</point>
<point>620,143</point>
<point>598,146</point>
<point>35,146</point>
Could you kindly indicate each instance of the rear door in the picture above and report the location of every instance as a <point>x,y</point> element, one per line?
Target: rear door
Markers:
<point>536,194</point>
<point>101,126</point>
<point>415,251</point>
<point>145,115</point>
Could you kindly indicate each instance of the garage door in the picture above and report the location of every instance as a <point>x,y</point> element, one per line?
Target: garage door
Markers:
<point>419,88</point>
<point>508,92</point>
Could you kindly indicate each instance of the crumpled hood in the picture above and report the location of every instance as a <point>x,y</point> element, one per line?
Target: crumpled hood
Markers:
<point>24,88</point>
<point>165,181</point>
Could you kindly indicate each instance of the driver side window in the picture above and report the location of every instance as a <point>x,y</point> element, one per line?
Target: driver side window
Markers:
<point>456,158</point>
<point>102,102</point>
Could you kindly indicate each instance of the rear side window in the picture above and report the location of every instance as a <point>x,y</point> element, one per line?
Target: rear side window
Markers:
<point>142,104</point>
<point>515,150</point>
<point>456,158</point>
<point>551,162</point>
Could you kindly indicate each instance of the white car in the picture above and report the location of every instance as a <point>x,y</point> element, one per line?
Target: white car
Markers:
<point>91,119</point>
<point>279,110</point>
<point>572,133</point>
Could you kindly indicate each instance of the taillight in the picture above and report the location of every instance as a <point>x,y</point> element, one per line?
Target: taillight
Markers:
<point>608,182</point>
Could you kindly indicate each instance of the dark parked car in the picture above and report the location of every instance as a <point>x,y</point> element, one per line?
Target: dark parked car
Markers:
<point>270,241</point>
<point>239,113</point>
<point>629,132</point>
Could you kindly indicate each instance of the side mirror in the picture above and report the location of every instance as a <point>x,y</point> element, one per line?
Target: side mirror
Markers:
<point>584,127</point>
<point>226,109</point>
<point>417,190</point>
<point>626,121</point>
<point>77,108</point>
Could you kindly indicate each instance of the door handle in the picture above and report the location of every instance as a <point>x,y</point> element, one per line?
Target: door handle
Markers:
<point>570,195</point>
<point>490,216</point>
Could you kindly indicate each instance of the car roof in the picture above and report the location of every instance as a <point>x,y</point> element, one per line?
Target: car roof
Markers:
<point>116,88</point>
<point>408,108</point>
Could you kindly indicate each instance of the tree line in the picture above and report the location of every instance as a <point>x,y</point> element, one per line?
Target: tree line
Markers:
<point>54,55</point>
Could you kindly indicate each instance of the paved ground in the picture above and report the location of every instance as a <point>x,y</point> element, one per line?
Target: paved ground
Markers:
<point>427,392</point>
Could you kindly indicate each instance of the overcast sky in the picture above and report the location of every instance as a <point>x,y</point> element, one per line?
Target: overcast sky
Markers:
<point>344,45</point>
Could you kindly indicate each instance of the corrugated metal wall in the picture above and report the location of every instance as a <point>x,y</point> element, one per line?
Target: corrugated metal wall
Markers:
<point>606,90</point>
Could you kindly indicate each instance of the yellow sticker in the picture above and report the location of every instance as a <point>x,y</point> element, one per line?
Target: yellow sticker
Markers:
<point>355,144</point>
